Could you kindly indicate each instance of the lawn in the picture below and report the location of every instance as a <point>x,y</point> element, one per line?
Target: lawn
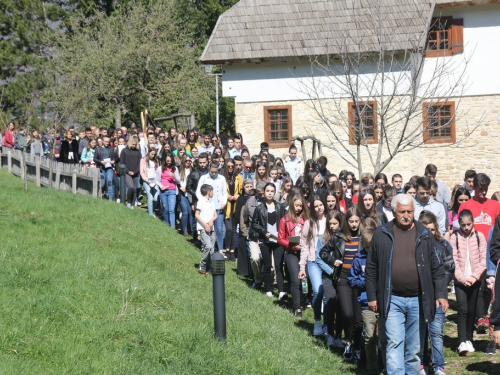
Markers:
<point>90,287</point>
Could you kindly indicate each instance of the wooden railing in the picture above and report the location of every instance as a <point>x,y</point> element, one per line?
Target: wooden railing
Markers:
<point>70,177</point>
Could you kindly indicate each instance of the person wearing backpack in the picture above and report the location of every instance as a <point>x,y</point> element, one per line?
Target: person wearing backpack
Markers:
<point>469,253</point>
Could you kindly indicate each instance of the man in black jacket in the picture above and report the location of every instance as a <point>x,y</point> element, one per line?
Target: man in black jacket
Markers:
<point>105,159</point>
<point>495,258</point>
<point>405,283</point>
<point>192,185</point>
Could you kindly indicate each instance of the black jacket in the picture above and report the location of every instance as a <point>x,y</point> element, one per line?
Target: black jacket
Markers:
<point>333,250</point>
<point>495,243</point>
<point>430,269</point>
<point>132,160</point>
<point>192,183</point>
<point>258,228</point>
<point>98,156</point>
<point>64,152</point>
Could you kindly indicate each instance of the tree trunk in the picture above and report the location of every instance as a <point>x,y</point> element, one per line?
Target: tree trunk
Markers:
<point>118,116</point>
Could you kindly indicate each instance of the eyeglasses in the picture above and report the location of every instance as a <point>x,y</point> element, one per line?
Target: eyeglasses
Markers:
<point>261,163</point>
<point>162,136</point>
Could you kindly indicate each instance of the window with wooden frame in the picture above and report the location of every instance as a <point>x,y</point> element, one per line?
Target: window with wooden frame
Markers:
<point>363,122</point>
<point>278,126</point>
<point>439,122</point>
<point>446,37</point>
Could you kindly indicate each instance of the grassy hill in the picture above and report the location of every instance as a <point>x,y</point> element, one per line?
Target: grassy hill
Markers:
<point>90,287</point>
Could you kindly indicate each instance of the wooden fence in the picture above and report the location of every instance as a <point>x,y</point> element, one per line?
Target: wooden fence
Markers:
<point>68,177</point>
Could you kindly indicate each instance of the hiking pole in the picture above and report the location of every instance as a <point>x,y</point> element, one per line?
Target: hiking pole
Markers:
<point>219,292</point>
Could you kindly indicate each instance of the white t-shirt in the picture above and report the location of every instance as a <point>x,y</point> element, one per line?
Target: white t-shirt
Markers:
<point>207,210</point>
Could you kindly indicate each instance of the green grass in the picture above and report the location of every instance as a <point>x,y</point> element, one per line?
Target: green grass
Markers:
<point>90,287</point>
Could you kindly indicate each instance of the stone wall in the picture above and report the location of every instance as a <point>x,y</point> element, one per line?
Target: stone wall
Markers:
<point>479,150</point>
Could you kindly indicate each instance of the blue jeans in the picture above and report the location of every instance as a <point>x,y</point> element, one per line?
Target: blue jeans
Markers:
<point>107,180</point>
<point>402,333</point>
<point>219,229</point>
<point>168,198</point>
<point>152,193</point>
<point>187,216</point>
<point>315,275</point>
<point>435,333</point>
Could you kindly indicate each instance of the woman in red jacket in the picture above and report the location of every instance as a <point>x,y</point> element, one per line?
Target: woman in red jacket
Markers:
<point>9,135</point>
<point>291,226</point>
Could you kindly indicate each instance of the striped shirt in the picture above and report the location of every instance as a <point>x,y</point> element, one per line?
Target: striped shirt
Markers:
<point>351,249</point>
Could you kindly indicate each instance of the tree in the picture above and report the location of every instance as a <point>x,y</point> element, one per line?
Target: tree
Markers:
<point>139,54</point>
<point>369,92</point>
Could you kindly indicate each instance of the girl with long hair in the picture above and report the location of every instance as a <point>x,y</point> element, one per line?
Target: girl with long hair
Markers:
<point>286,186</point>
<point>344,203</point>
<point>316,182</point>
<point>332,203</point>
<point>186,166</point>
<point>368,207</point>
<point>290,230</point>
<point>88,153</point>
<point>309,166</point>
<point>339,253</point>
<point>310,242</point>
<point>149,167</point>
<point>234,186</point>
<point>461,195</point>
<point>167,178</point>
<point>261,172</point>
<point>264,229</point>
<point>131,157</point>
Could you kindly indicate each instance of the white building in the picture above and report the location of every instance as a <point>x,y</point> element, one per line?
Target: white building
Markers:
<point>265,48</point>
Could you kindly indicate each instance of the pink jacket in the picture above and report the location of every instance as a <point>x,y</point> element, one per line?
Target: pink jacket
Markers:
<point>477,255</point>
<point>307,249</point>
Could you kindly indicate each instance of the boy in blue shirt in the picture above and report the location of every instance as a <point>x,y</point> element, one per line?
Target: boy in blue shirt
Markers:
<point>356,280</point>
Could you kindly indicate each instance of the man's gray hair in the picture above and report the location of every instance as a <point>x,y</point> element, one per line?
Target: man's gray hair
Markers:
<point>403,199</point>
<point>248,181</point>
<point>261,185</point>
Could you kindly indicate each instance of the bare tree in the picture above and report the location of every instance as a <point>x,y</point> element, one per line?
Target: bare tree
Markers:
<point>376,95</point>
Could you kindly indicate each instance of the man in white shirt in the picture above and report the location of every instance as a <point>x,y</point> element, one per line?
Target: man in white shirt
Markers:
<point>236,149</point>
<point>293,164</point>
<point>423,201</point>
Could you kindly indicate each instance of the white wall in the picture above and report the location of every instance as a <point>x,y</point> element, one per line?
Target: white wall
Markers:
<point>481,48</point>
<point>281,81</point>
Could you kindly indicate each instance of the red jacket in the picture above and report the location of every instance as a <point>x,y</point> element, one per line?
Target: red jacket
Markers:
<point>8,139</point>
<point>287,229</point>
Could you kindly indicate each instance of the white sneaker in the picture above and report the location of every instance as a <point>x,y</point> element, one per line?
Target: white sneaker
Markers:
<point>330,342</point>
<point>471,347</point>
<point>117,200</point>
<point>282,295</point>
<point>463,348</point>
<point>318,328</point>
<point>338,343</point>
<point>269,294</point>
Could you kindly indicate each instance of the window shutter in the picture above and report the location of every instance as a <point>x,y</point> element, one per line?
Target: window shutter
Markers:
<point>457,36</point>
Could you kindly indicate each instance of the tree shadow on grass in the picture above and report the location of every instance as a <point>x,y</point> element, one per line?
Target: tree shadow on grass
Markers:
<point>484,367</point>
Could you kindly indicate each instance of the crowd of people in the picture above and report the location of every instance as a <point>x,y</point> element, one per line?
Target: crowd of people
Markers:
<point>373,257</point>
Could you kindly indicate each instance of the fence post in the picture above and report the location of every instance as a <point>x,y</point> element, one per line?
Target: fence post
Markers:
<point>73,183</point>
<point>95,181</point>
<point>58,177</point>
<point>38,173</point>
<point>9,160</point>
